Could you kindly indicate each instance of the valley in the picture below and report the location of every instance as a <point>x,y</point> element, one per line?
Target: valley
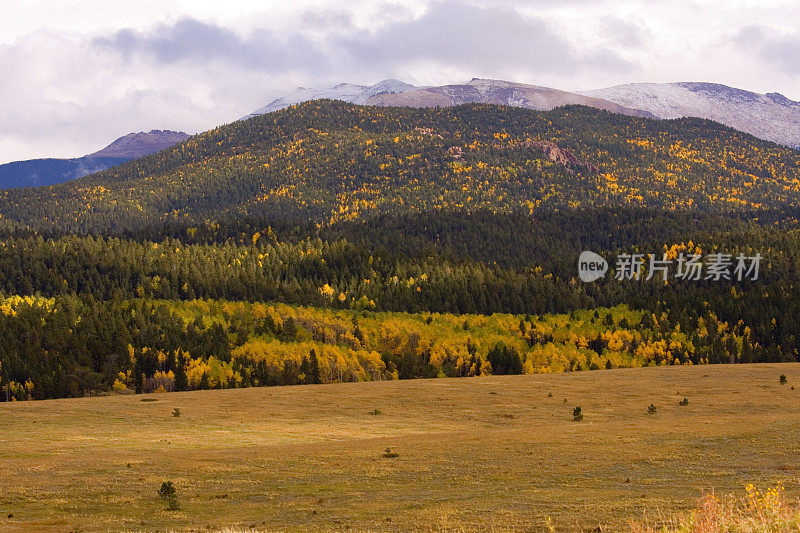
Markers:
<point>528,281</point>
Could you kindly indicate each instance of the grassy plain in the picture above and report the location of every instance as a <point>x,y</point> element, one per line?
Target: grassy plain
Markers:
<point>482,453</point>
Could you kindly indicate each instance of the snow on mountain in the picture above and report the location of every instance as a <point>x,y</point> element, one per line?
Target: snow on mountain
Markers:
<point>769,116</point>
<point>383,87</point>
<point>344,91</point>
<point>505,93</point>
<point>348,92</point>
<point>398,93</point>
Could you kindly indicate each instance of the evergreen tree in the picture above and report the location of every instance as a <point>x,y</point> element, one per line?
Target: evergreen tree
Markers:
<point>181,380</point>
<point>314,368</point>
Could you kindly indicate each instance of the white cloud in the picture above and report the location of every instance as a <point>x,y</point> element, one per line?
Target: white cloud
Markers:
<point>79,74</point>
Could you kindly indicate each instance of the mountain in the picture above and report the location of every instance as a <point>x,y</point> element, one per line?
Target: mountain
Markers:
<point>40,172</point>
<point>398,93</point>
<point>136,145</point>
<point>769,116</point>
<point>346,92</point>
<point>326,161</point>
<point>474,208</point>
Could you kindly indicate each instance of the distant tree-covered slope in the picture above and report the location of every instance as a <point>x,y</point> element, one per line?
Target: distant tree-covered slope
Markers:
<point>40,172</point>
<point>327,162</point>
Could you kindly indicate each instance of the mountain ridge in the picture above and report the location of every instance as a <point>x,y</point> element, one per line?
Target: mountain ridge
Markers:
<point>135,145</point>
<point>49,171</point>
<point>327,161</point>
<point>395,93</point>
<point>771,116</point>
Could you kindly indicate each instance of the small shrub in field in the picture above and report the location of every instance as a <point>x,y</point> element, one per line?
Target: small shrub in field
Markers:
<point>652,409</point>
<point>176,412</point>
<point>389,454</point>
<point>549,394</point>
<point>577,414</point>
<point>167,490</point>
<point>375,412</point>
<point>170,493</point>
<point>685,401</point>
<point>783,379</point>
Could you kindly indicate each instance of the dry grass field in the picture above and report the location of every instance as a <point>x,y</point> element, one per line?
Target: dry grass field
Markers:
<point>472,453</point>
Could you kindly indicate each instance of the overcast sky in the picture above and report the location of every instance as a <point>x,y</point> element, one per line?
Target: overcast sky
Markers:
<point>78,74</point>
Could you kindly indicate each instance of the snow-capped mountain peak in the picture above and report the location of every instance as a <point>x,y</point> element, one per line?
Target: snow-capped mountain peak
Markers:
<point>393,92</point>
<point>348,92</point>
<point>386,87</point>
<point>769,116</point>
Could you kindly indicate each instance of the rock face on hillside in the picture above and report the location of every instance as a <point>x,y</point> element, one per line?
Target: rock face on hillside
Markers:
<point>561,156</point>
<point>770,116</point>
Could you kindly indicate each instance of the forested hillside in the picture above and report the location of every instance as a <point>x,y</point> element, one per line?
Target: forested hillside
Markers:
<point>41,172</point>
<point>327,161</point>
<point>331,242</point>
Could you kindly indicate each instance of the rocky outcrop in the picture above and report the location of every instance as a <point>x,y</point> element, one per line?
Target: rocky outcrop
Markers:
<point>561,156</point>
<point>455,152</point>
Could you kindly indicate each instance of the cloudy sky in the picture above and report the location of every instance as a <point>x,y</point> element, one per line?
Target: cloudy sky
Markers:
<point>78,74</point>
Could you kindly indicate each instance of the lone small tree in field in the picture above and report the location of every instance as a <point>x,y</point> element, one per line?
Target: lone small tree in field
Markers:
<point>652,409</point>
<point>167,490</point>
<point>170,493</point>
<point>577,414</point>
<point>685,401</point>
<point>784,380</point>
